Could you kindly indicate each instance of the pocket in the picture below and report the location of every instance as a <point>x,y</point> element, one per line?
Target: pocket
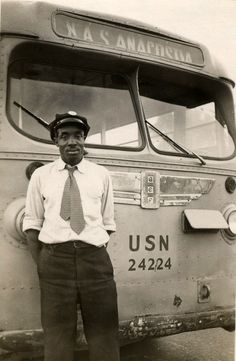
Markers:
<point>43,258</point>
<point>106,264</point>
<point>93,190</point>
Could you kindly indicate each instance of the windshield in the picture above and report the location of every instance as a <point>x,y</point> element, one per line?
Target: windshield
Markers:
<point>45,90</point>
<point>188,115</point>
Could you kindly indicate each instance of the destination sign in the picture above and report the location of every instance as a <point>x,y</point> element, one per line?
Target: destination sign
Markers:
<point>116,38</point>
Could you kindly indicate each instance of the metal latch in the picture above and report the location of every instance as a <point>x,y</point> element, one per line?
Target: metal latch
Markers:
<point>204,292</point>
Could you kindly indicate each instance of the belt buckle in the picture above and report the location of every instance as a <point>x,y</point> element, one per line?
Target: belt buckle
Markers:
<point>76,244</point>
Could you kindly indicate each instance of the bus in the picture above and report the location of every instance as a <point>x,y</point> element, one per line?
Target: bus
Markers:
<point>162,122</point>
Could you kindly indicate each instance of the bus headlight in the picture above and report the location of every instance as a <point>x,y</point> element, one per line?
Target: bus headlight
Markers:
<point>13,219</point>
<point>230,215</point>
<point>232,223</point>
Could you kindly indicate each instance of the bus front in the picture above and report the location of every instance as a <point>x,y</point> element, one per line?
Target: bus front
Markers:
<point>162,121</point>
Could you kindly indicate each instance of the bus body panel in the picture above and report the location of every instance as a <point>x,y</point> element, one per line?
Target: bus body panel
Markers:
<point>24,22</point>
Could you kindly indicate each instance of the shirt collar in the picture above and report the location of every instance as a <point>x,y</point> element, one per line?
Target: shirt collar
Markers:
<point>81,165</point>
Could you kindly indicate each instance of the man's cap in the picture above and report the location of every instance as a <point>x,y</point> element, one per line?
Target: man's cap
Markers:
<point>70,117</point>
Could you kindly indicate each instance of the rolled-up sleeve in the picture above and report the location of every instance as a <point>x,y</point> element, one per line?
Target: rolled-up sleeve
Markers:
<point>34,210</point>
<point>108,205</point>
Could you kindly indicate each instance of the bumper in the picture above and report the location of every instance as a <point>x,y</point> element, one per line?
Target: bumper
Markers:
<point>133,330</point>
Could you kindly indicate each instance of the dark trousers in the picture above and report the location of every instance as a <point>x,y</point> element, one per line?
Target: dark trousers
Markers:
<point>70,275</point>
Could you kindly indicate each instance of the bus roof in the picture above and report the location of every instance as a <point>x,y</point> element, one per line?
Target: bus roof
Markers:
<point>53,22</point>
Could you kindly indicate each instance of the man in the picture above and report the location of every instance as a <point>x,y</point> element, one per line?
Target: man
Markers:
<point>69,217</point>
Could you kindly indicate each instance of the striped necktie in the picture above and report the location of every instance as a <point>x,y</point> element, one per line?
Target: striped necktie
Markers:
<point>71,206</point>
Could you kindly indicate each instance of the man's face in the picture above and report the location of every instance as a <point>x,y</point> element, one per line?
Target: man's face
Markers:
<point>70,141</point>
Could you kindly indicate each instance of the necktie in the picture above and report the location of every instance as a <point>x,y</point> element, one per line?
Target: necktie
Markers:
<point>71,206</point>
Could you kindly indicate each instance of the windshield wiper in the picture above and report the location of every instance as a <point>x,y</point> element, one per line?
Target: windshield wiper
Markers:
<point>176,145</point>
<point>39,120</point>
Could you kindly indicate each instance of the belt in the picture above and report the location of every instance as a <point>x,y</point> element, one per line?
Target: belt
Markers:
<point>68,245</point>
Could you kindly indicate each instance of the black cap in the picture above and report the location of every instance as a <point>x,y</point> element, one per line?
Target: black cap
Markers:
<point>70,117</point>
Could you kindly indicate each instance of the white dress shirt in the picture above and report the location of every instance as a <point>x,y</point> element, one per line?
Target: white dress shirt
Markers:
<point>44,196</point>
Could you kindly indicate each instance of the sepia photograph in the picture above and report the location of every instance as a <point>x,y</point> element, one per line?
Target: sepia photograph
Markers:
<point>118,180</point>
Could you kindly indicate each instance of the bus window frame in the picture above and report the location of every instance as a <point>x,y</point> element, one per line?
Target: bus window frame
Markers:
<point>224,85</point>
<point>131,84</point>
<point>185,155</point>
